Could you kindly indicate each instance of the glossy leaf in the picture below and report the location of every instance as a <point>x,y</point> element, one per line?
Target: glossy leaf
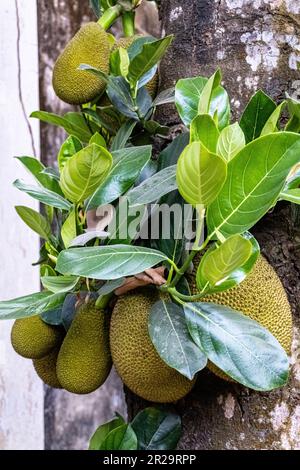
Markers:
<point>294,110</point>
<point>57,284</point>
<point>101,433</point>
<point>87,236</point>
<point>154,128</point>
<point>111,286</point>
<point>291,195</point>
<point>118,91</point>
<point>108,262</point>
<point>36,221</point>
<point>120,438</point>
<point>212,83</point>
<point>37,170</point>
<point>272,123</point>
<point>84,172</point>
<point>98,139</point>
<point>30,305</point>
<point>52,317</point>
<point>73,123</point>
<point>231,141</point>
<point>239,346</point>
<point>154,188</point>
<point>157,429</point>
<point>70,146</point>
<point>171,339</point>
<point>254,181</point>
<point>127,165</point>
<point>256,115</point>
<point>228,264</point>
<point>44,195</point>
<point>204,130</point>
<point>69,229</point>
<point>169,156</point>
<point>119,62</point>
<point>200,174</point>
<point>123,135</point>
<point>165,97</point>
<point>149,56</point>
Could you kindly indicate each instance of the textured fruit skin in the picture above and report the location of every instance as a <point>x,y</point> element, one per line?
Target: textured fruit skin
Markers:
<point>261,296</point>
<point>91,46</point>
<point>84,360</point>
<point>134,356</point>
<point>33,338</point>
<point>45,368</point>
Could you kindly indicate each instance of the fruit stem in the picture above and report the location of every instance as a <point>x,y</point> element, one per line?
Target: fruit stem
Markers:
<point>128,20</point>
<point>103,301</point>
<point>110,16</point>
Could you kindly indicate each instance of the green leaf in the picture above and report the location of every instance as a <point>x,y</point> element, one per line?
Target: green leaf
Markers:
<point>111,286</point>
<point>294,109</point>
<point>154,188</point>
<point>228,264</point>
<point>293,180</point>
<point>187,96</point>
<point>101,433</point>
<point>94,71</point>
<point>256,114</point>
<point>204,130</point>
<point>44,195</point>
<point>206,94</point>
<point>157,429</point>
<point>95,5</point>
<point>108,262</point>
<point>123,134</point>
<point>154,128</point>
<point>169,156</point>
<point>70,146</point>
<point>118,91</point>
<point>239,346</point>
<point>84,172</point>
<point>69,229</point>
<point>73,123</point>
<point>46,270</point>
<point>231,141</point>
<point>120,438</point>
<point>37,169</point>
<point>150,55</point>
<point>272,123</point>
<point>52,317</point>
<point>119,62</point>
<point>37,222</point>
<point>170,337</point>
<point>127,165</point>
<point>200,174</point>
<point>30,305</point>
<point>57,284</point>
<point>165,97</point>
<point>52,173</point>
<point>291,195</point>
<point>254,181</point>
<point>98,139</point>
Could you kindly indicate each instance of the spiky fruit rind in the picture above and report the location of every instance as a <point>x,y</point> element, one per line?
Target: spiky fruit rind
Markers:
<point>33,338</point>
<point>84,360</point>
<point>45,368</point>
<point>134,355</point>
<point>91,46</point>
<point>261,296</point>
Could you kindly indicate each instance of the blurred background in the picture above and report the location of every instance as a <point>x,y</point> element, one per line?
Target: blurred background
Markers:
<point>32,34</point>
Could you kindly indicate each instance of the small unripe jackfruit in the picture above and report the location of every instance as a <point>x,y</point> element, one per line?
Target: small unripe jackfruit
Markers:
<point>84,360</point>
<point>261,296</point>
<point>91,46</point>
<point>45,368</point>
<point>33,338</point>
<point>134,356</point>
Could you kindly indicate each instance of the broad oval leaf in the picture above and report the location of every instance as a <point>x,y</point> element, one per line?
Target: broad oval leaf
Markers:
<point>169,156</point>
<point>52,317</point>
<point>120,438</point>
<point>44,195</point>
<point>39,172</point>
<point>154,188</point>
<point>254,182</point>
<point>98,139</point>
<point>73,123</point>
<point>204,130</point>
<point>231,141</point>
<point>200,174</point>
<point>70,146</point>
<point>127,165</point>
<point>101,433</point>
<point>238,345</point>
<point>291,195</point>
<point>157,429</point>
<point>36,221</point>
<point>118,91</point>
<point>30,305</point>
<point>108,262</point>
<point>69,229</point>
<point>58,284</point>
<point>212,83</point>
<point>171,339</point>
<point>227,265</point>
<point>272,123</point>
<point>123,134</point>
<point>84,172</point>
<point>256,114</point>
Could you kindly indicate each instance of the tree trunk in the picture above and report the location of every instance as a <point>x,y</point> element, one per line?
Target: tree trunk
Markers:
<point>255,44</point>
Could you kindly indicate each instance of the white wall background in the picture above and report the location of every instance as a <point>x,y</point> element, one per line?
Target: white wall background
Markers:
<point>21,392</point>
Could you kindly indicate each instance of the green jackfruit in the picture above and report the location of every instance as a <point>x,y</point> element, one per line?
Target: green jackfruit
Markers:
<point>46,368</point>
<point>261,296</point>
<point>84,360</point>
<point>91,45</point>
<point>33,338</point>
<point>134,355</point>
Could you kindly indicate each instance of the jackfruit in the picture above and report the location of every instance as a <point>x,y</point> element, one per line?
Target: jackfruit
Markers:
<point>46,368</point>
<point>90,45</point>
<point>261,296</point>
<point>84,360</point>
<point>33,338</point>
<point>134,356</point>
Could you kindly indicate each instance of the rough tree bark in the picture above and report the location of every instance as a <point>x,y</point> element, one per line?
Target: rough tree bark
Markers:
<point>256,44</point>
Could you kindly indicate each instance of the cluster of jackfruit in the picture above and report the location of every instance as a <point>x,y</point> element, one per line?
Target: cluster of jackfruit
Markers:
<point>78,361</point>
<point>91,45</point>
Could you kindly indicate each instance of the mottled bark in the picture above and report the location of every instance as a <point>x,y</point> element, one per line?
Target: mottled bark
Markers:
<point>256,44</point>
